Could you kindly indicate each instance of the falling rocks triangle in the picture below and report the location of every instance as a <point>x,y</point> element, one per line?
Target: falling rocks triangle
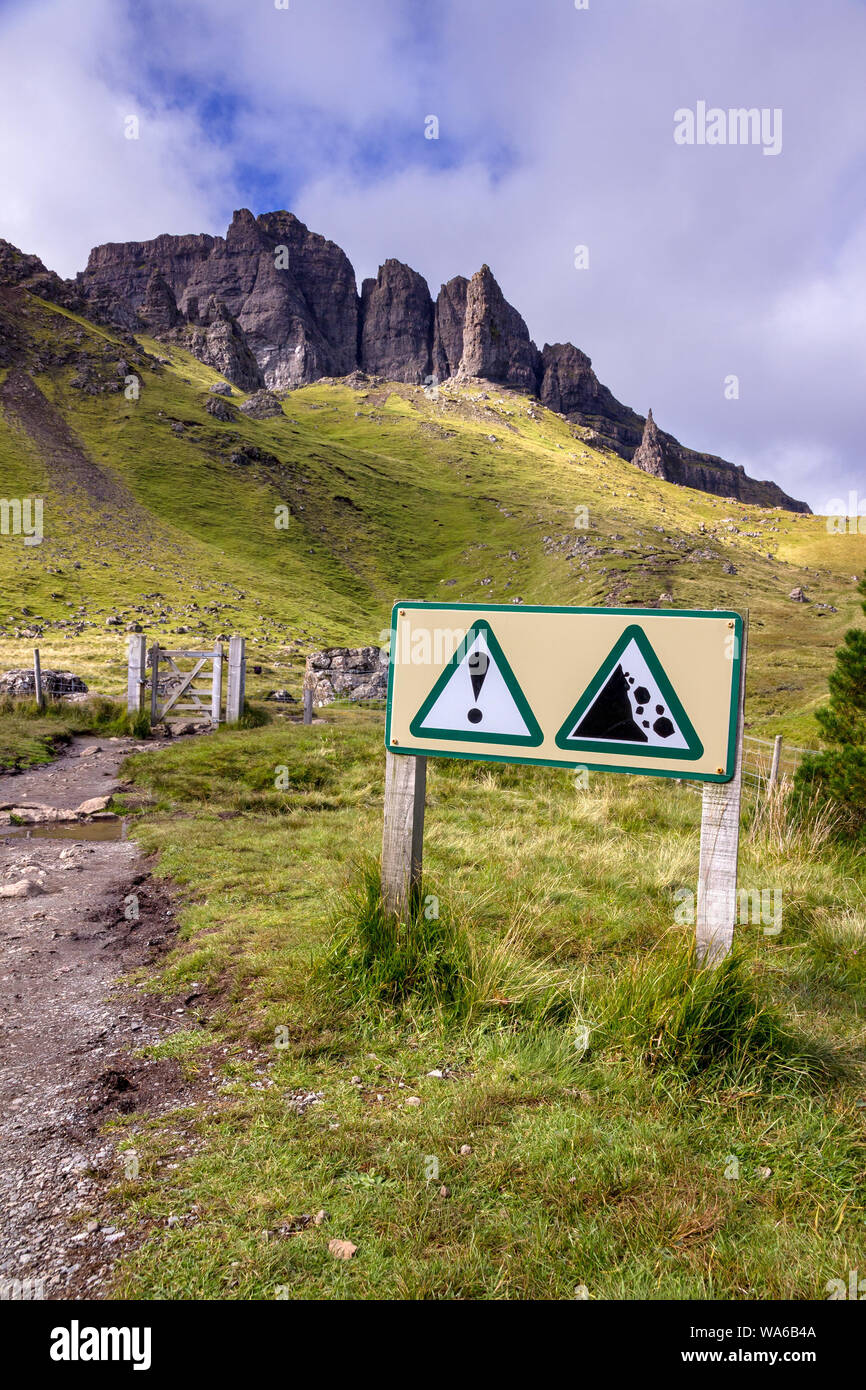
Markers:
<point>630,706</point>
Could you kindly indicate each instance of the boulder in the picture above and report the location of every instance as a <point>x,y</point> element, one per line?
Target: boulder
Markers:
<point>347,673</point>
<point>56,684</point>
<point>219,408</point>
<point>262,405</point>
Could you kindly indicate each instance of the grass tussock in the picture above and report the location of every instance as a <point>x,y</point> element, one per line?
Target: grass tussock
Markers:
<point>785,823</point>
<point>679,1017</point>
<point>437,959</point>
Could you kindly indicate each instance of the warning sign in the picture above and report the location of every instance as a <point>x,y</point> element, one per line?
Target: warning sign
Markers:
<point>630,705</point>
<point>477,697</point>
<point>623,690</point>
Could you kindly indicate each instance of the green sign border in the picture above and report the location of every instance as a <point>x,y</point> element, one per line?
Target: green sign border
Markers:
<point>683,773</point>
<point>632,633</point>
<point>530,740</point>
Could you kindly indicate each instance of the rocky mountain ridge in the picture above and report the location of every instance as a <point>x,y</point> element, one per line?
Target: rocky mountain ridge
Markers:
<point>275,305</point>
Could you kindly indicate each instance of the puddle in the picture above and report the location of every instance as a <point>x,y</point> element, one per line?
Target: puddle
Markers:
<point>68,830</point>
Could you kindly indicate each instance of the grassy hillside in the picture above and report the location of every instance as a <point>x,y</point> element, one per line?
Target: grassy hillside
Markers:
<point>161,514</point>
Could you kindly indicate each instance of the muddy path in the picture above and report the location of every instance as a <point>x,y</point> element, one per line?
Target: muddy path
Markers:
<point>90,913</point>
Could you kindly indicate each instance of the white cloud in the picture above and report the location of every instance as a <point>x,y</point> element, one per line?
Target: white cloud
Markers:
<point>556,128</point>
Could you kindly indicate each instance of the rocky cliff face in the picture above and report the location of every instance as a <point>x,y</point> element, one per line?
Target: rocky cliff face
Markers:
<point>218,340</point>
<point>291,292</point>
<point>448,320</point>
<point>396,325</point>
<point>275,305</point>
<point>496,341</point>
<point>662,456</point>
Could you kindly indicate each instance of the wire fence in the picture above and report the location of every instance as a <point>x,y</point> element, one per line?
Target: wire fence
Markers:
<point>758,760</point>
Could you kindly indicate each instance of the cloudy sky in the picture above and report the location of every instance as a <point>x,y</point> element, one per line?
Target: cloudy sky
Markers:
<point>556,130</point>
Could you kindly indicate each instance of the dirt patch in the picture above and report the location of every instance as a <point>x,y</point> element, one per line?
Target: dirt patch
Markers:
<point>69,1029</point>
<point>133,1085</point>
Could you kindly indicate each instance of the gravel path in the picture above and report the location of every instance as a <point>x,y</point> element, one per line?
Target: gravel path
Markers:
<point>67,1028</point>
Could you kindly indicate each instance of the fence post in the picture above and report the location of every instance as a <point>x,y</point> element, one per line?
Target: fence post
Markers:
<point>236,679</point>
<point>135,677</point>
<point>216,687</point>
<point>403,831</point>
<point>154,682</point>
<point>720,844</point>
<point>774,765</point>
<point>37,680</point>
<point>308,704</point>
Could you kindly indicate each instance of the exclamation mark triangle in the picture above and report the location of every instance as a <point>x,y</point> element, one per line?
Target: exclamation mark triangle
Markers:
<point>477,697</point>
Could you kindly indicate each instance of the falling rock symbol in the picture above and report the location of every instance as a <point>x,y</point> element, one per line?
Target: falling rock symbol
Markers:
<point>631,704</point>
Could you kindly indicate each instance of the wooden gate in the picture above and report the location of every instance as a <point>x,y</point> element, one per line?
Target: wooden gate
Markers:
<point>173,688</point>
<point>173,676</point>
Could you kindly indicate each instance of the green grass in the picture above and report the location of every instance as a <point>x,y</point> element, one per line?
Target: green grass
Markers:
<point>30,736</point>
<point>604,1132</point>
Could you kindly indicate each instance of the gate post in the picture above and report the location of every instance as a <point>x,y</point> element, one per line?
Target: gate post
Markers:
<point>136,671</point>
<point>37,680</point>
<point>403,834</point>
<point>236,680</point>
<point>216,687</point>
<point>154,682</point>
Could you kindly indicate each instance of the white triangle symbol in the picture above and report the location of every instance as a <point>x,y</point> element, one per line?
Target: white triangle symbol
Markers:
<point>650,713</point>
<point>493,710</point>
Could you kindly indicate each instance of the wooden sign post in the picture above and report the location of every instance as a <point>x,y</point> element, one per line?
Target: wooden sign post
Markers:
<point>649,692</point>
<point>403,836</point>
<point>720,846</point>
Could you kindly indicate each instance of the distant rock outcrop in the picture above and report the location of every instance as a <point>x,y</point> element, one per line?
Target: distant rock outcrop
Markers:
<point>496,341</point>
<point>449,317</point>
<point>275,305</point>
<point>291,292</point>
<point>662,456</point>
<point>650,455</point>
<point>396,337</point>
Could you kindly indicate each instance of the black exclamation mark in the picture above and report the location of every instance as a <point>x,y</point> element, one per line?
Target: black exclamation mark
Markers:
<point>477,663</point>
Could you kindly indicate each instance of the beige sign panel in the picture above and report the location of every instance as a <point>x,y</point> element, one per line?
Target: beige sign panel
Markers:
<point>615,689</point>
